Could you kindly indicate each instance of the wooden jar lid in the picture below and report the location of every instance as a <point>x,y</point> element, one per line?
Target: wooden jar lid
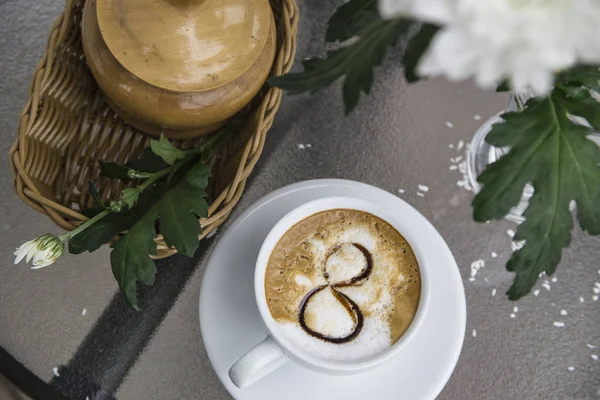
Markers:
<point>185,45</point>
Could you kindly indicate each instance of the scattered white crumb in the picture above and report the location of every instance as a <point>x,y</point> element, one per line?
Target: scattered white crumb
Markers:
<point>596,290</point>
<point>420,194</point>
<point>494,292</point>
<point>515,309</point>
<point>595,298</point>
<point>449,124</point>
<point>486,279</point>
<point>555,279</point>
<point>510,233</point>
<point>571,368</point>
<point>460,145</point>
<point>536,292</point>
<point>546,285</point>
<point>301,146</point>
<point>471,279</point>
<point>595,357</point>
<point>559,324</point>
<point>513,315</point>
<point>476,117</point>
<point>423,188</point>
<point>84,311</point>
<point>494,254</point>
<point>581,299</point>
<point>476,266</point>
<point>309,145</point>
<point>563,312</point>
<point>591,346</point>
<point>450,146</point>
<point>474,333</point>
<point>55,371</point>
<point>401,191</point>
<point>452,167</point>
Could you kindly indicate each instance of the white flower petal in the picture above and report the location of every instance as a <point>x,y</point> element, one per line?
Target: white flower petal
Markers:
<point>524,42</point>
<point>44,251</point>
<point>23,250</point>
<point>438,11</point>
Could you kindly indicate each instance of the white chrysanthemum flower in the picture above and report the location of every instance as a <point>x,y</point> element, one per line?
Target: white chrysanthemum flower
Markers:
<point>44,251</point>
<point>524,41</point>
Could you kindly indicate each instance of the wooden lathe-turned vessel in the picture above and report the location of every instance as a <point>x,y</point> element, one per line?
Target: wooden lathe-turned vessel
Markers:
<point>183,67</point>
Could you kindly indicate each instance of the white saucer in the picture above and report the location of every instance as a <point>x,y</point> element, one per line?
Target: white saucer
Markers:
<point>231,325</point>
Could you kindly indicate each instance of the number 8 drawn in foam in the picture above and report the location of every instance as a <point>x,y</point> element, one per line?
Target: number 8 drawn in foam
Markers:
<point>347,302</point>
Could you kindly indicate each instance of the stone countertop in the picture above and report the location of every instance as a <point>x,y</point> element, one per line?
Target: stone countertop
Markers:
<point>70,316</point>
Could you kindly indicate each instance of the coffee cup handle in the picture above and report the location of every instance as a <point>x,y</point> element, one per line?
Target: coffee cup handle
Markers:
<point>259,362</point>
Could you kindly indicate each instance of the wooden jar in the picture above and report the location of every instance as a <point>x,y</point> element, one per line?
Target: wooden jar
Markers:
<point>181,66</point>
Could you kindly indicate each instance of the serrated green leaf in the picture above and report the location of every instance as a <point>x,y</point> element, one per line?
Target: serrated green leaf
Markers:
<point>355,61</point>
<point>165,150</point>
<point>553,153</point>
<point>95,194</point>
<point>130,196</point>
<point>177,207</point>
<point>130,259</point>
<point>198,176</point>
<point>179,211</point>
<point>350,18</point>
<point>416,46</point>
<point>584,75</point>
<point>103,231</point>
<point>583,105</point>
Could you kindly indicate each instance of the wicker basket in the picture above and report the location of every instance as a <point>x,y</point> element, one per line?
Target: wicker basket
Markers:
<point>66,128</point>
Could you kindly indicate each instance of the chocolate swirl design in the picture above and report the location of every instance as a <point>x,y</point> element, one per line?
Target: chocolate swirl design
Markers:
<point>347,302</point>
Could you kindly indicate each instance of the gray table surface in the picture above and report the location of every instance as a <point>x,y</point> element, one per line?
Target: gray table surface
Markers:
<point>397,139</point>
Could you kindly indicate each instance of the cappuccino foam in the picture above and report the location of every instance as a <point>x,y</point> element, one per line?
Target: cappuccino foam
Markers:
<point>343,284</point>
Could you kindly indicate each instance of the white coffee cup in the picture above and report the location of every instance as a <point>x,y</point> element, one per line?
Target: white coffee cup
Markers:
<point>277,348</point>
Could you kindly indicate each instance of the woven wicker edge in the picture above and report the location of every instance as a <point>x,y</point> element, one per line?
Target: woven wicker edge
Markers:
<point>222,206</point>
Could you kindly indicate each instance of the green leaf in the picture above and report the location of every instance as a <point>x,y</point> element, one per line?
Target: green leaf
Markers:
<point>92,212</point>
<point>130,196</point>
<point>198,176</point>
<point>350,18</point>
<point>584,75</point>
<point>130,259</point>
<point>165,150</point>
<point>177,208</point>
<point>114,170</point>
<point>148,162</point>
<point>416,46</point>
<point>553,153</point>
<point>103,231</point>
<point>355,61</point>
<point>95,193</point>
<point>179,211</point>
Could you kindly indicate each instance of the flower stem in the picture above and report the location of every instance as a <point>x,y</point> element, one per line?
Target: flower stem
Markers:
<point>82,227</point>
